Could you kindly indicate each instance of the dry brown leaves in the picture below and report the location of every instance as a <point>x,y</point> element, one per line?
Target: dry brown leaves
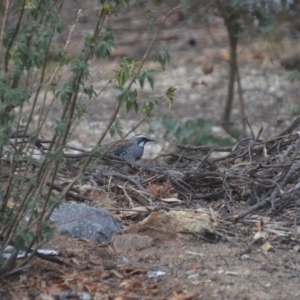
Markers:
<point>160,190</point>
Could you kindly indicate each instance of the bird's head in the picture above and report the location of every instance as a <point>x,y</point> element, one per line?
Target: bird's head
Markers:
<point>141,139</point>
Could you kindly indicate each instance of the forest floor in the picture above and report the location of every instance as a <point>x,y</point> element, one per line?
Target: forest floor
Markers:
<point>194,268</point>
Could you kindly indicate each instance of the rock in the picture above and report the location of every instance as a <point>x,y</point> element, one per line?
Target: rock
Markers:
<point>267,247</point>
<point>82,221</point>
<point>167,225</point>
<point>130,242</point>
<point>207,68</point>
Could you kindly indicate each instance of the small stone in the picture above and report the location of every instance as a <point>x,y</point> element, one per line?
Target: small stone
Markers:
<point>268,247</point>
<point>82,221</point>
<point>296,248</point>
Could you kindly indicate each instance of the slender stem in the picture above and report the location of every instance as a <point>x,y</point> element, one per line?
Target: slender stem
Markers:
<point>2,28</point>
<point>233,40</point>
<point>115,113</point>
<point>6,59</point>
<point>241,98</point>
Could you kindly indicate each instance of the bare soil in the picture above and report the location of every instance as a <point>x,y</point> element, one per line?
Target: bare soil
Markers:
<point>194,270</point>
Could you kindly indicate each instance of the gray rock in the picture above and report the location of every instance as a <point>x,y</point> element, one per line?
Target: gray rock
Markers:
<point>82,221</point>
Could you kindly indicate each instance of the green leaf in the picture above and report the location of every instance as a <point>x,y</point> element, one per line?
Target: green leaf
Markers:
<point>121,97</point>
<point>65,92</point>
<point>106,44</point>
<point>151,81</point>
<point>116,128</point>
<point>163,57</point>
<point>80,68</point>
<point>60,128</point>
<point>171,94</point>
<point>135,106</point>
<point>128,60</point>
<point>128,105</point>
<point>112,131</point>
<point>149,75</point>
<point>119,88</point>
<point>90,91</point>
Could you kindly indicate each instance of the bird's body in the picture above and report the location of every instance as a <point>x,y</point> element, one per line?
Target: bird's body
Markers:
<point>131,149</point>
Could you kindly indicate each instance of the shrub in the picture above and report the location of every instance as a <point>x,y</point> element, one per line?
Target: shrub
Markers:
<point>30,70</point>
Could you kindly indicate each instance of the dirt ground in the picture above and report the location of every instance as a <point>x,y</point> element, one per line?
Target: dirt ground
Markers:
<point>194,268</point>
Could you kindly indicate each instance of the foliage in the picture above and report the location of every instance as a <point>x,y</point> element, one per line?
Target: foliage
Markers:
<point>29,70</point>
<point>163,57</point>
<point>194,132</point>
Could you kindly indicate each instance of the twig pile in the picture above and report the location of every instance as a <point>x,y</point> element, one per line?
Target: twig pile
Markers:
<point>262,174</point>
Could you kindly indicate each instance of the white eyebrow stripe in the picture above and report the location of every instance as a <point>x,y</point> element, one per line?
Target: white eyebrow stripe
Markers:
<point>141,136</point>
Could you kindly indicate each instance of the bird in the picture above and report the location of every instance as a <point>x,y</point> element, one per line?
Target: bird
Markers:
<point>131,149</point>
